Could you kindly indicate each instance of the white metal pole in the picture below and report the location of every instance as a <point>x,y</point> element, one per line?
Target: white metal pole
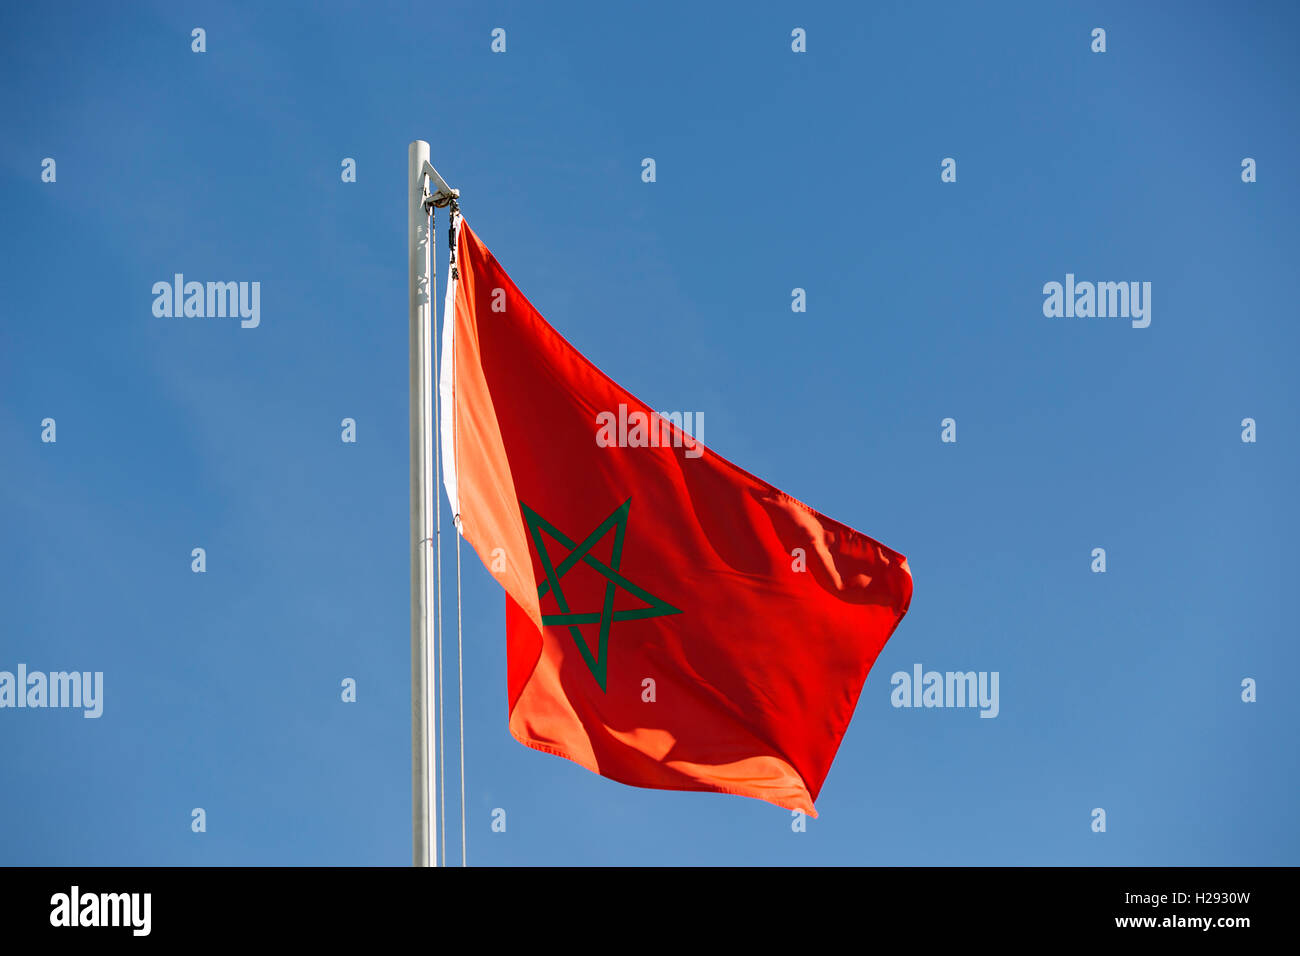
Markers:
<point>422,289</point>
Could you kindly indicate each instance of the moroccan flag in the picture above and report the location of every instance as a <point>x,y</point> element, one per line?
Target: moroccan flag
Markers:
<point>671,620</point>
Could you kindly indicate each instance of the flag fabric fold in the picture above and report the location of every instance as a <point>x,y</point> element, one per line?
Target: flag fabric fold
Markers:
<point>672,621</point>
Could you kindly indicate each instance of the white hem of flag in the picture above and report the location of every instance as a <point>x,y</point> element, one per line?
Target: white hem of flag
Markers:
<point>446,389</point>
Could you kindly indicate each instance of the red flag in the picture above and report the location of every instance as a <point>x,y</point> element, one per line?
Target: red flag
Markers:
<point>671,620</point>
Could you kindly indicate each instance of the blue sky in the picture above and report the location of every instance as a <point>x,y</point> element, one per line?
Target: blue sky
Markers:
<point>775,170</point>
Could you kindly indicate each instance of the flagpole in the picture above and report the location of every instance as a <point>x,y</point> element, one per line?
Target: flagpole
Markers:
<point>422,290</point>
<point>426,533</point>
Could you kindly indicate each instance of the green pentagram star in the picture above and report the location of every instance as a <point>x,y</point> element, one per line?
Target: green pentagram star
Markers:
<point>613,580</point>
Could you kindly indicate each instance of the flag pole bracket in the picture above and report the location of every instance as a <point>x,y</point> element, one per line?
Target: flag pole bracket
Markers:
<point>441,195</point>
